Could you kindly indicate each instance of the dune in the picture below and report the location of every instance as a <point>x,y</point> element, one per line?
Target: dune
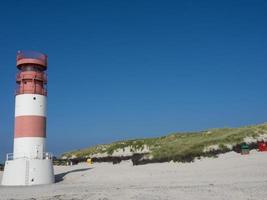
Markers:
<point>230,176</point>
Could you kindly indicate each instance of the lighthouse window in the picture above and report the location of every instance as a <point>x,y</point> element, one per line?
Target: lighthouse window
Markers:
<point>34,98</point>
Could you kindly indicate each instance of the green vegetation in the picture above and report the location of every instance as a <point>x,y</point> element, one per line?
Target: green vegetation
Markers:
<point>178,146</point>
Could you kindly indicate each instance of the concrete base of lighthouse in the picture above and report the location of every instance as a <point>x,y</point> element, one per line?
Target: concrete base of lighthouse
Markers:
<point>25,171</point>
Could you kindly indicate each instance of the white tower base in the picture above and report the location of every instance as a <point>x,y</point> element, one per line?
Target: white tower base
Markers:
<point>25,171</point>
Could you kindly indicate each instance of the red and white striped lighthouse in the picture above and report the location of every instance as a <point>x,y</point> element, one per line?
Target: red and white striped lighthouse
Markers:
<point>30,106</point>
<point>30,164</point>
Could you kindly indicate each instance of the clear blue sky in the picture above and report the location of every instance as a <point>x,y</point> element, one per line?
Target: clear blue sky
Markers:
<point>130,69</point>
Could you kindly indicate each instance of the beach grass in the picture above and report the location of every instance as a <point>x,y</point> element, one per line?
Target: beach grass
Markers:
<point>176,146</point>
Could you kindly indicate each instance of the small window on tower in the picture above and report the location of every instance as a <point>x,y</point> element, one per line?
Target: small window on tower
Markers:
<point>34,98</point>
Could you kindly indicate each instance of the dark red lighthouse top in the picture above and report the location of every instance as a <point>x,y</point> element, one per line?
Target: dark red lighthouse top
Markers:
<point>31,58</point>
<point>31,78</point>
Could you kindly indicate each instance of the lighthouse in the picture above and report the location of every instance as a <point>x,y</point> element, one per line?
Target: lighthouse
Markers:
<point>30,164</point>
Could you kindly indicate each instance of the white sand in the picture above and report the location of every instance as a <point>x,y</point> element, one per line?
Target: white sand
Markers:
<point>231,176</point>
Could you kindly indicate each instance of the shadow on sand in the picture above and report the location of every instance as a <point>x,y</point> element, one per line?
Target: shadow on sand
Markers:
<point>60,177</point>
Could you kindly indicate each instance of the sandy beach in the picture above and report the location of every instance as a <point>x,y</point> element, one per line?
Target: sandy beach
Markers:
<point>230,176</point>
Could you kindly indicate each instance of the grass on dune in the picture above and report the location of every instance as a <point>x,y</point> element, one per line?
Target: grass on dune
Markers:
<point>178,145</point>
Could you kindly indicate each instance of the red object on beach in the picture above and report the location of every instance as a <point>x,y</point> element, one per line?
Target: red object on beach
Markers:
<point>262,146</point>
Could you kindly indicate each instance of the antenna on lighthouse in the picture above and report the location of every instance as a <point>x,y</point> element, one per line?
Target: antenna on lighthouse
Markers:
<point>30,164</point>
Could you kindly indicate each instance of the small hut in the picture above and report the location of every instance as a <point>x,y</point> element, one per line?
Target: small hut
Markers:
<point>262,146</point>
<point>244,149</point>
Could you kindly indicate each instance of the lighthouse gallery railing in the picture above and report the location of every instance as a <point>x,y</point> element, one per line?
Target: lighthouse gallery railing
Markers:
<point>46,156</point>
